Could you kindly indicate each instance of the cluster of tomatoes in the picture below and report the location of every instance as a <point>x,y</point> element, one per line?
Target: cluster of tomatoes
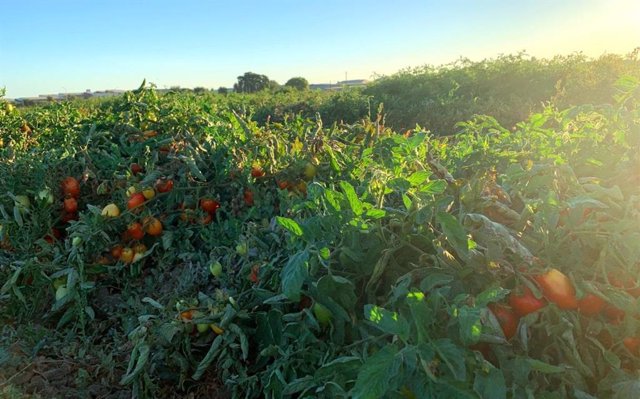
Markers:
<point>557,288</point>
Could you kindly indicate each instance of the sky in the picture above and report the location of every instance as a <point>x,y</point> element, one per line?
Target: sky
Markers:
<point>49,47</point>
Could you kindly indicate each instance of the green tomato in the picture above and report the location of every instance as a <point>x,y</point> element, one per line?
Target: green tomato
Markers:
<point>242,248</point>
<point>202,327</point>
<point>309,171</point>
<point>76,241</point>
<point>23,201</point>
<point>216,269</point>
<point>59,282</point>
<point>323,315</point>
<point>61,292</point>
<point>45,196</point>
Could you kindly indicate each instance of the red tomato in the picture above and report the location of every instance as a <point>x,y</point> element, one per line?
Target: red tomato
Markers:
<point>136,168</point>
<point>557,288</point>
<point>209,205</point>
<point>67,217</point>
<point>164,185</point>
<point>591,305</point>
<point>526,302</point>
<point>253,276</point>
<point>256,171</point>
<point>70,205</point>
<point>116,251</point>
<point>507,319</point>
<point>135,201</point>
<point>632,344</point>
<point>71,187</point>
<point>135,231</point>
<point>625,282</point>
<point>614,314</point>
<point>282,184</point>
<point>206,219</point>
<point>248,197</point>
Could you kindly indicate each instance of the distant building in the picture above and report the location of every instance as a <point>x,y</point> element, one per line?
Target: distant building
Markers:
<point>339,85</point>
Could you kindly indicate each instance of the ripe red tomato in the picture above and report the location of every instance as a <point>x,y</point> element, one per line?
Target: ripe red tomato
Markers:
<point>136,168</point>
<point>70,205</point>
<point>557,288</point>
<point>135,201</point>
<point>71,187</point>
<point>632,344</point>
<point>525,303</point>
<point>206,219</point>
<point>507,319</point>
<point>625,282</point>
<point>67,217</point>
<point>209,205</point>
<point>248,197</point>
<point>591,305</point>
<point>282,184</point>
<point>164,185</point>
<point>116,251</point>
<point>135,231</point>
<point>254,275</point>
<point>614,314</point>
<point>256,171</point>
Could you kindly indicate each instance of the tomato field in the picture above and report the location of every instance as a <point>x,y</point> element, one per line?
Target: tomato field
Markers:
<point>160,246</point>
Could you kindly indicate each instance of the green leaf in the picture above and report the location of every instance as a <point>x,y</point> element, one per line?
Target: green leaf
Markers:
<point>375,213</point>
<point>434,280</point>
<point>544,367</point>
<point>208,359</point>
<point>453,230</point>
<point>291,225</point>
<point>418,177</point>
<point>453,356</point>
<point>141,355</point>
<point>376,374</point>
<point>352,198</point>
<point>387,321</point>
<point>293,275</point>
<point>490,385</point>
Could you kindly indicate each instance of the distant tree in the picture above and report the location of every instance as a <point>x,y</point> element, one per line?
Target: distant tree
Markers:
<point>298,83</point>
<point>199,90</point>
<point>251,82</point>
<point>273,85</point>
<point>223,90</point>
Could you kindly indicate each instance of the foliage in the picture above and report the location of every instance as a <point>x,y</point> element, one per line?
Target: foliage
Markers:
<point>344,260</point>
<point>298,83</point>
<point>252,82</point>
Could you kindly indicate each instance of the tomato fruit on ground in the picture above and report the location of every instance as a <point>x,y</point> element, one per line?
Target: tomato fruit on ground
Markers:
<point>525,303</point>
<point>71,187</point>
<point>152,226</point>
<point>70,205</point>
<point>135,201</point>
<point>591,305</point>
<point>557,288</point>
<point>506,318</point>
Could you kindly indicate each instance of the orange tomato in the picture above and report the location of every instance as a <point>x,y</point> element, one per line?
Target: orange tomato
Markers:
<point>632,344</point>
<point>557,288</point>
<point>116,251</point>
<point>152,226</point>
<point>248,197</point>
<point>70,205</point>
<point>256,171</point>
<point>126,255</point>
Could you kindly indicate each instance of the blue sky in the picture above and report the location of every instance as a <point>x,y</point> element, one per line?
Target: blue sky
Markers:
<point>63,46</point>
